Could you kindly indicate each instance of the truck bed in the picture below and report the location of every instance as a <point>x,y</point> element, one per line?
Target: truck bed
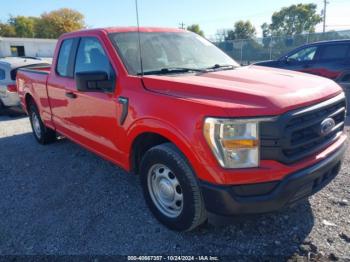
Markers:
<point>33,80</point>
<point>40,69</point>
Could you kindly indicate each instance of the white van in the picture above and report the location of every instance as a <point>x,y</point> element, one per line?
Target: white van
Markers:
<point>8,71</point>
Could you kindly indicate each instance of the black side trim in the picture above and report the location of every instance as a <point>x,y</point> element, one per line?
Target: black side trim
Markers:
<point>124,101</point>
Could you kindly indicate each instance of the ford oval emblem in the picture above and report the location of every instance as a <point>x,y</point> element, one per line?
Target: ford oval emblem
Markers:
<point>327,126</point>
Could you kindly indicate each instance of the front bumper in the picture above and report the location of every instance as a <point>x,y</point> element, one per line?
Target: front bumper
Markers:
<point>271,196</point>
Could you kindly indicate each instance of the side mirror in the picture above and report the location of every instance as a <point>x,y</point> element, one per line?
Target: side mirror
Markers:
<point>93,81</point>
<point>284,59</point>
<point>289,60</point>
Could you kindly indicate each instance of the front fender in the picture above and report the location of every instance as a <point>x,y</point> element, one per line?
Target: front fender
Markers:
<point>168,131</point>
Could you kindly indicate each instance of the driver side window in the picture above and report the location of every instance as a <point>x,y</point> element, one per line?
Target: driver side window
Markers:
<point>306,54</point>
<point>91,57</point>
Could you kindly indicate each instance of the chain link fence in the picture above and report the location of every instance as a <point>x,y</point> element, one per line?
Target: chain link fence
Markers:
<point>247,51</point>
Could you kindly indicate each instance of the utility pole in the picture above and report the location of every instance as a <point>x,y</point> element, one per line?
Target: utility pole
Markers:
<point>325,3</point>
<point>182,25</point>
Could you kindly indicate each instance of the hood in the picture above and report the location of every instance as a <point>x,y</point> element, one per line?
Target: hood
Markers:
<point>247,91</point>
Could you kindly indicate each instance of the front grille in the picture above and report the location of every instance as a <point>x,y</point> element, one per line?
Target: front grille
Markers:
<point>296,134</point>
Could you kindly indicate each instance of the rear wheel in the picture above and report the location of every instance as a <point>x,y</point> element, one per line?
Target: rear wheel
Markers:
<point>42,134</point>
<point>171,189</point>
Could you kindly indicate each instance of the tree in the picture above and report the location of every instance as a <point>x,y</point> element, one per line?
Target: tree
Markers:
<point>48,25</point>
<point>293,20</point>
<point>55,23</point>
<point>230,35</point>
<point>23,26</point>
<point>195,29</point>
<point>242,30</point>
<point>7,30</point>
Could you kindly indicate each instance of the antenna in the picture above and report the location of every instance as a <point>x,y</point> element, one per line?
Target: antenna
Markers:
<point>138,35</point>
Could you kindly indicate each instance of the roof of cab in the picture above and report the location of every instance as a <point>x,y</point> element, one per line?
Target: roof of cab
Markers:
<point>142,29</point>
<point>126,29</point>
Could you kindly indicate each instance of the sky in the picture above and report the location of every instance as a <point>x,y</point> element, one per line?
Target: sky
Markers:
<point>209,14</point>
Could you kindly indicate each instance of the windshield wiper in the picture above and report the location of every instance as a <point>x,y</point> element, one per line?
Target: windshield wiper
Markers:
<point>171,70</point>
<point>174,70</point>
<point>218,66</point>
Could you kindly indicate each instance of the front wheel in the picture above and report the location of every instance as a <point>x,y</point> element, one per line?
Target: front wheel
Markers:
<point>41,133</point>
<point>171,189</point>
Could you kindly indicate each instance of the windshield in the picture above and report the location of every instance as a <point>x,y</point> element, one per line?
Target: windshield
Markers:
<point>168,50</point>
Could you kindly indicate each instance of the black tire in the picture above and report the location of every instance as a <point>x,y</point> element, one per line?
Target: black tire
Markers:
<point>193,212</point>
<point>46,135</point>
<point>2,108</point>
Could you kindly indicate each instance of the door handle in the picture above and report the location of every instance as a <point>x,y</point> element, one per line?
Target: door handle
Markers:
<point>71,95</point>
<point>124,101</point>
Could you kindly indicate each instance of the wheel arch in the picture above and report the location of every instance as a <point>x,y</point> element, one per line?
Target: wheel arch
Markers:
<point>155,133</point>
<point>28,98</point>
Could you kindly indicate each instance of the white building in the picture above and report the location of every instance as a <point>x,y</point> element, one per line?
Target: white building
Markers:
<point>10,46</point>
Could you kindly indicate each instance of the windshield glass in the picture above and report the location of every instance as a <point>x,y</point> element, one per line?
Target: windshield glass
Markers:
<point>168,50</point>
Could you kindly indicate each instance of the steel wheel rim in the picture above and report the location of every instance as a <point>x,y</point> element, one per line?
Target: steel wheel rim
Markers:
<point>165,190</point>
<point>36,125</point>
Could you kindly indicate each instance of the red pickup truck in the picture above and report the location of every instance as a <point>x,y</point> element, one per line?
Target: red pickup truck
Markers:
<point>205,135</point>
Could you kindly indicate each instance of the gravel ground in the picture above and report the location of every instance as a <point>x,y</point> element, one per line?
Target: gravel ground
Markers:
<point>61,199</point>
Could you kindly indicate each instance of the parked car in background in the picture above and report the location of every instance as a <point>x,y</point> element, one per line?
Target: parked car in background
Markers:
<point>204,134</point>
<point>329,59</point>
<point>8,71</point>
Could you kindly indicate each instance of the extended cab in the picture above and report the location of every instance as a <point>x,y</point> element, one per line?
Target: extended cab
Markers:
<point>205,135</point>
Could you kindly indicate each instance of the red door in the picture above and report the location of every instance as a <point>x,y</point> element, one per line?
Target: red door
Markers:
<point>89,118</point>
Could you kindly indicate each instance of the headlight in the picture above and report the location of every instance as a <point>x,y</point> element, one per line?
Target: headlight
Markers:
<point>234,142</point>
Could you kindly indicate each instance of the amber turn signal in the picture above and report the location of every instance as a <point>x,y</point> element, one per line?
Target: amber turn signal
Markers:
<point>244,143</point>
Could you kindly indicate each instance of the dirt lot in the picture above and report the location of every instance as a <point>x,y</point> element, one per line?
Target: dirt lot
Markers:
<point>61,199</point>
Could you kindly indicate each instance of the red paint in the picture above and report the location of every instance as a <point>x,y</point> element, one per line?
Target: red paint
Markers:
<point>175,108</point>
<point>12,88</point>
